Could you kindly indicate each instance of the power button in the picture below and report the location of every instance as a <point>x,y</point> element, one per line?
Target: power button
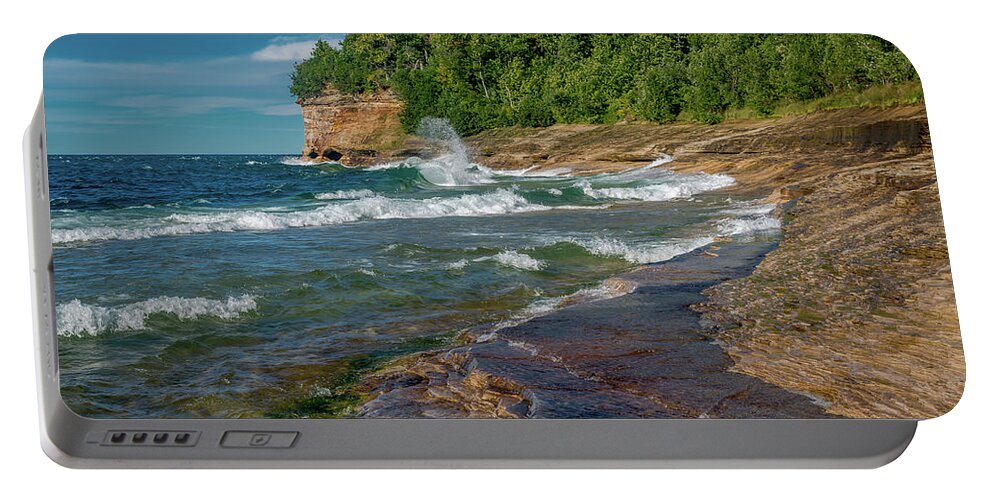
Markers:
<point>260,439</point>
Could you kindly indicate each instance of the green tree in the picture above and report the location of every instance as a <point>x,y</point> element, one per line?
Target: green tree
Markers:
<point>481,81</point>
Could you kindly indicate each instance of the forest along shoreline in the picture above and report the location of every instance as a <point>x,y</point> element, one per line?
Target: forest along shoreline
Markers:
<point>823,315</point>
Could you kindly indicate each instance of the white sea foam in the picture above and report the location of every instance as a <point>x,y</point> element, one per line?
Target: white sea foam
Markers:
<point>658,162</point>
<point>535,172</point>
<point>511,258</point>
<point>296,161</point>
<point>384,166</point>
<point>448,170</point>
<point>457,265</point>
<point>346,194</point>
<point>644,253</point>
<point>452,170</point>
<point>733,227</point>
<point>750,209</point>
<point>75,319</point>
<point>500,201</point>
<point>592,294</point>
<point>554,192</point>
<point>544,306</point>
<point>664,189</point>
<point>650,183</point>
<point>651,252</point>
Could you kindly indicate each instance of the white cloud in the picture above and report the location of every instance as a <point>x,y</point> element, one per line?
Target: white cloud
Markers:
<point>285,52</point>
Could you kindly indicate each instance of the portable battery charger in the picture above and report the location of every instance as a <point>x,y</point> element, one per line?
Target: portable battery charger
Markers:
<point>486,250</point>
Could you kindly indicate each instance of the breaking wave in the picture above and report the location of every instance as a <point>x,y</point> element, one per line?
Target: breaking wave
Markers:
<point>511,258</point>
<point>448,170</point>
<point>750,209</point>
<point>661,251</point>
<point>734,227</point>
<point>75,319</point>
<point>673,187</point>
<point>645,253</point>
<point>544,306</point>
<point>500,201</point>
<point>458,265</point>
<point>535,172</point>
<point>346,194</point>
<point>556,189</point>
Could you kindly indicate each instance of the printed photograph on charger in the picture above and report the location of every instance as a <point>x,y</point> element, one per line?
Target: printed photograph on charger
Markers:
<point>496,226</point>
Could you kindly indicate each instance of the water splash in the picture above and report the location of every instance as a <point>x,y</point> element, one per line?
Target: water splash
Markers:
<point>452,163</point>
<point>440,132</point>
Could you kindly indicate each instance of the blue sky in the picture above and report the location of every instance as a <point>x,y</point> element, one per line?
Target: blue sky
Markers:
<point>162,94</point>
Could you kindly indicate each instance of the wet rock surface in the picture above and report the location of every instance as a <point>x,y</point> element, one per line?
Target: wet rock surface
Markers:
<point>640,355</point>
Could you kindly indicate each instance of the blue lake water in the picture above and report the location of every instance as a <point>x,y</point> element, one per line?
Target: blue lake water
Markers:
<point>238,286</point>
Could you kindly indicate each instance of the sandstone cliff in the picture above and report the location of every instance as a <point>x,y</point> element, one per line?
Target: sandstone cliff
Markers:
<point>355,130</point>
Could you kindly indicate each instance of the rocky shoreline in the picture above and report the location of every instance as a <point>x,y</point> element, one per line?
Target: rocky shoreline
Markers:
<point>639,354</point>
<point>856,304</point>
<point>854,309</point>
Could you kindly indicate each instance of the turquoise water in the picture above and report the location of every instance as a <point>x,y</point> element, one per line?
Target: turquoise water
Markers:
<point>246,286</point>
